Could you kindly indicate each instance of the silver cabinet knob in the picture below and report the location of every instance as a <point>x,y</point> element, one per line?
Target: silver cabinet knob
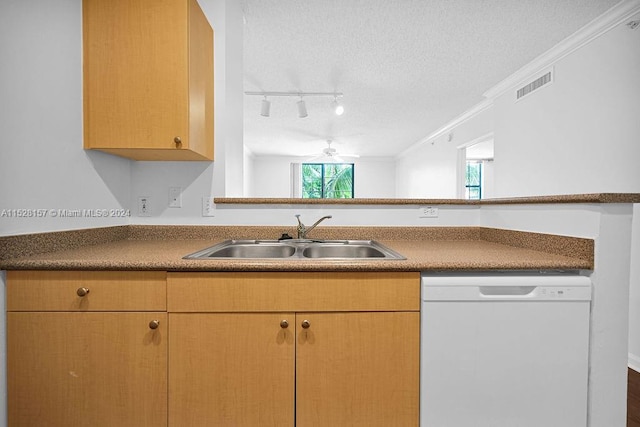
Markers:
<point>306,324</point>
<point>284,324</point>
<point>82,291</point>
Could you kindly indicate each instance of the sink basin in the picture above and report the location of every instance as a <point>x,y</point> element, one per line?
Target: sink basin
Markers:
<point>246,249</point>
<point>299,249</point>
<point>342,251</point>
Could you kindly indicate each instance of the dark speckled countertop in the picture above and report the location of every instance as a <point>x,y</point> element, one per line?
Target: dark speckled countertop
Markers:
<point>137,247</point>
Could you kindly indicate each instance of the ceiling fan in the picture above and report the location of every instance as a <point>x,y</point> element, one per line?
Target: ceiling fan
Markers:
<point>330,155</point>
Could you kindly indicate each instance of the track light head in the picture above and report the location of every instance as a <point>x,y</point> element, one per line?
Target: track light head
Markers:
<point>337,107</point>
<point>302,109</point>
<point>265,107</point>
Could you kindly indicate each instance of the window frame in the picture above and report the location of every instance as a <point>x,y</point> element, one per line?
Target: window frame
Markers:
<point>468,187</point>
<point>323,189</point>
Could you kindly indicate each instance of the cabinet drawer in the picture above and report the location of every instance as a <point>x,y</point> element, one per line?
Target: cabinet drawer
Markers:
<point>107,291</point>
<point>282,291</point>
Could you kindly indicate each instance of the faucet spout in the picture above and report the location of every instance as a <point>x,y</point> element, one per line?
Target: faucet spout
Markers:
<point>303,230</point>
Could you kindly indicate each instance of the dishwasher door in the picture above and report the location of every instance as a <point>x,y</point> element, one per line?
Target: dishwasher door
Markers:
<point>504,350</point>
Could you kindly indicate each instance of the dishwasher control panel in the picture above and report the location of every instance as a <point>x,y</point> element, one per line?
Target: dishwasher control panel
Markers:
<point>505,287</point>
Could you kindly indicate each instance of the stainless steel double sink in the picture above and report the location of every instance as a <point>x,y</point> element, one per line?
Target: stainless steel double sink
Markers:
<point>297,249</point>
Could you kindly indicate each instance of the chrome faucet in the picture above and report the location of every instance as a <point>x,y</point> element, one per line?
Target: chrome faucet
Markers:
<point>303,230</point>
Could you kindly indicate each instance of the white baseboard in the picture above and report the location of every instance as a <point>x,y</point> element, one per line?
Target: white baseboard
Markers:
<point>634,362</point>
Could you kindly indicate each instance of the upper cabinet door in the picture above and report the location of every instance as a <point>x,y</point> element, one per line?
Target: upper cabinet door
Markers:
<point>148,79</point>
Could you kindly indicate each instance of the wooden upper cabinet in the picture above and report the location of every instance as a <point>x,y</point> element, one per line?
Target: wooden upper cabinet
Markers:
<point>148,79</point>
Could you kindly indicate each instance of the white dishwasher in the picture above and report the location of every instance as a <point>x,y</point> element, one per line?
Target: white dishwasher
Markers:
<point>504,349</point>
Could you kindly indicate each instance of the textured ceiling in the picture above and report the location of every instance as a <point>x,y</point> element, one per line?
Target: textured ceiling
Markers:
<point>406,67</point>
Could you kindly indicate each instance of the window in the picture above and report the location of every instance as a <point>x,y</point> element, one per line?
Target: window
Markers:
<point>327,180</point>
<point>473,181</point>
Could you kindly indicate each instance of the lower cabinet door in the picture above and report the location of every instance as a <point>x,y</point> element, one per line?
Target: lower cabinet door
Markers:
<point>357,369</point>
<point>228,369</point>
<point>87,369</point>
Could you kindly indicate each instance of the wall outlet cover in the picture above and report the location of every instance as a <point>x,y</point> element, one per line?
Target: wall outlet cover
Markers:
<point>175,197</point>
<point>208,207</point>
<point>428,212</point>
<point>144,206</point>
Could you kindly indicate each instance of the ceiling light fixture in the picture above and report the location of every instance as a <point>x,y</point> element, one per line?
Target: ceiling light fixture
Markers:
<point>265,107</point>
<point>337,107</point>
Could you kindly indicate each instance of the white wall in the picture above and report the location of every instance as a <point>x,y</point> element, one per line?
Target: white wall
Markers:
<point>225,16</point>
<point>580,133</point>
<point>429,172</point>
<point>42,163</point>
<point>488,180</point>
<point>576,135</point>
<point>429,169</point>
<point>634,293</point>
<point>248,174</point>
<point>272,176</point>
<point>373,177</point>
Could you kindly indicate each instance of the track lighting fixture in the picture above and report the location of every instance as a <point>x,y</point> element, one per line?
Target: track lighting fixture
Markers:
<point>302,109</point>
<point>337,107</point>
<point>265,107</point>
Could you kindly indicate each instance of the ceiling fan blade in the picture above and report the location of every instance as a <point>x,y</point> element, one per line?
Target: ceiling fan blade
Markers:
<point>328,155</point>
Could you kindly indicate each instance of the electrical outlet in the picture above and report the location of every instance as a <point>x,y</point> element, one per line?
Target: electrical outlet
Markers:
<point>144,207</point>
<point>175,197</point>
<point>208,207</point>
<point>428,212</point>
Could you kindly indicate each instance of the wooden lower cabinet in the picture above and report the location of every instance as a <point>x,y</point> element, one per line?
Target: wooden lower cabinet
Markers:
<point>357,369</point>
<point>228,349</point>
<point>86,349</point>
<point>86,369</point>
<point>302,368</point>
<point>231,370</point>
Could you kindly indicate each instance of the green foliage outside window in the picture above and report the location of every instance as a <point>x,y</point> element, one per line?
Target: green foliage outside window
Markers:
<point>473,182</point>
<point>327,180</point>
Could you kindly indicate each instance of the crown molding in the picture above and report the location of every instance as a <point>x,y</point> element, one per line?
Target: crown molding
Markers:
<point>605,22</point>
<point>467,115</point>
<point>599,26</point>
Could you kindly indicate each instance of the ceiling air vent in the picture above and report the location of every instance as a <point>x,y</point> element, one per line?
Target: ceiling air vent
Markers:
<point>534,85</point>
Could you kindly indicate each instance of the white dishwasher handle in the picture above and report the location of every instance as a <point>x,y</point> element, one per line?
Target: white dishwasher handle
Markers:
<point>506,291</point>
